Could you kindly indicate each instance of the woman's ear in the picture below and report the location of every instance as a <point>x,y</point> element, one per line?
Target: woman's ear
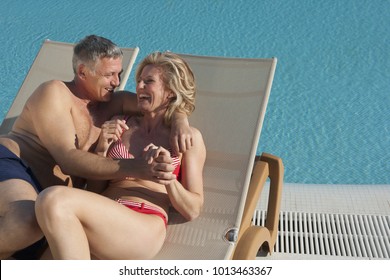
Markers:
<point>171,95</point>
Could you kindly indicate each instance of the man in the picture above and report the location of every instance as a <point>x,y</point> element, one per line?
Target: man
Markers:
<point>53,139</point>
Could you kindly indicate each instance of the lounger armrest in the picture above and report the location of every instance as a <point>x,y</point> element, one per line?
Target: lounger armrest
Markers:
<point>251,237</point>
<point>276,175</point>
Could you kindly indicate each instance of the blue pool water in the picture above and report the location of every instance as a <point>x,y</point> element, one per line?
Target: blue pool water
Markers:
<point>328,115</point>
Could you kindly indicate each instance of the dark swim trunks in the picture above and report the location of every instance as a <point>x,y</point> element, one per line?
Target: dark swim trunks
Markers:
<point>12,167</point>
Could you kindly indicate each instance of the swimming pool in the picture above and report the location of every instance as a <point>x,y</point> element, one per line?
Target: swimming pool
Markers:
<point>328,115</point>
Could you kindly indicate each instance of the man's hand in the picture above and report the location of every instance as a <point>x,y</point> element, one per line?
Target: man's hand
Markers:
<point>181,134</point>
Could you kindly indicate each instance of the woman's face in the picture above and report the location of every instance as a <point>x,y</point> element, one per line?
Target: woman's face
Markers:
<point>152,95</point>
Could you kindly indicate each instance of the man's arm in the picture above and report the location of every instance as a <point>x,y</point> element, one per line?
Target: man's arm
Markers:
<point>181,133</point>
<point>124,102</point>
<point>51,112</point>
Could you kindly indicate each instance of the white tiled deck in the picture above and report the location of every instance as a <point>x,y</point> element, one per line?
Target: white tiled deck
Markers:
<point>330,199</point>
<point>333,199</point>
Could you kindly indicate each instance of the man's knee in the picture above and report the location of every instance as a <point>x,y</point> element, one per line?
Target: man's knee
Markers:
<point>18,227</point>
<point>19,215</point>
<point>25,213</point>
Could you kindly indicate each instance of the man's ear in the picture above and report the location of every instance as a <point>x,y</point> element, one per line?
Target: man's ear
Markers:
<point>81,69</point>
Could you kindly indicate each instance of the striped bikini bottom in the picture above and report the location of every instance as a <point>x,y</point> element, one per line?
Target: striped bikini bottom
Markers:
<point>144,208</point>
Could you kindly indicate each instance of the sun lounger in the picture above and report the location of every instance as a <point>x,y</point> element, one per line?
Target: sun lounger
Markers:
<point>232,97</point>
<point>231,101</point>
<point>54,61</point>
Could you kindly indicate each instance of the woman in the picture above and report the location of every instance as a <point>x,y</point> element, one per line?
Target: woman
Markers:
<point>129,219</point>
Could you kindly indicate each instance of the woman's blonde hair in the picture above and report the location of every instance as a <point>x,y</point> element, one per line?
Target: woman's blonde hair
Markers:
<point>177,76</point>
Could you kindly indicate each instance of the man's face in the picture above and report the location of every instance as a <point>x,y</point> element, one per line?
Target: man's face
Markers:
<point>102,82</point>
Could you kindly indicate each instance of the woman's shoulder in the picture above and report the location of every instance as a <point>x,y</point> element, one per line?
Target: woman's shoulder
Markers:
<point>197,138</point>
<point>196,132</point>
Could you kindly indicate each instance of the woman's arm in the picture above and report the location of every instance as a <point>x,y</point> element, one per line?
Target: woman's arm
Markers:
<point>187,196</point>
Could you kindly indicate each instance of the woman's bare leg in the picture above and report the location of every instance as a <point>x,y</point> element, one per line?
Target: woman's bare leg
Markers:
<point>79,223</point>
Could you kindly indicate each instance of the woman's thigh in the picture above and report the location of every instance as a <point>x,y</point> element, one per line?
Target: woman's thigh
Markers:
<point>113,230</point>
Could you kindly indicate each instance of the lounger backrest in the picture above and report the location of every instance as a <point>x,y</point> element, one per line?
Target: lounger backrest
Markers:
<point>231,101</point>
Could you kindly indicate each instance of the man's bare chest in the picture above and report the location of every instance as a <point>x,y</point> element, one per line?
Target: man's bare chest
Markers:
<point>87,125</point>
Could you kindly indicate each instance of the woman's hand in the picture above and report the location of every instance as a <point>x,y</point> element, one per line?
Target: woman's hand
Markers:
<point>152,152</point>
<point>111,131</point>
<point>160,162</point>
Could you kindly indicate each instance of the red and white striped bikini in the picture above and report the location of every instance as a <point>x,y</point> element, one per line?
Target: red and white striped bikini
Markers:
<point>119,151</point>
<point>143,208</point>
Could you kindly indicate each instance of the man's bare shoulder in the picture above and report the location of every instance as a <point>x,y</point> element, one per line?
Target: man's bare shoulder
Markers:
<point>50,91</point>
<point>52,87</point>
<point>47,102</point>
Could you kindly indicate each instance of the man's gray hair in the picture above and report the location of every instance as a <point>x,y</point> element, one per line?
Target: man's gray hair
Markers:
<point>92,48</point>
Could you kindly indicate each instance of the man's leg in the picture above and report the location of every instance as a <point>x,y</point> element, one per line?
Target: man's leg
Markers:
<point>18,226</point>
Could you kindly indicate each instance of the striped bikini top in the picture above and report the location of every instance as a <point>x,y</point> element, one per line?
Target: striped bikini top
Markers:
<point>118,151</point>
